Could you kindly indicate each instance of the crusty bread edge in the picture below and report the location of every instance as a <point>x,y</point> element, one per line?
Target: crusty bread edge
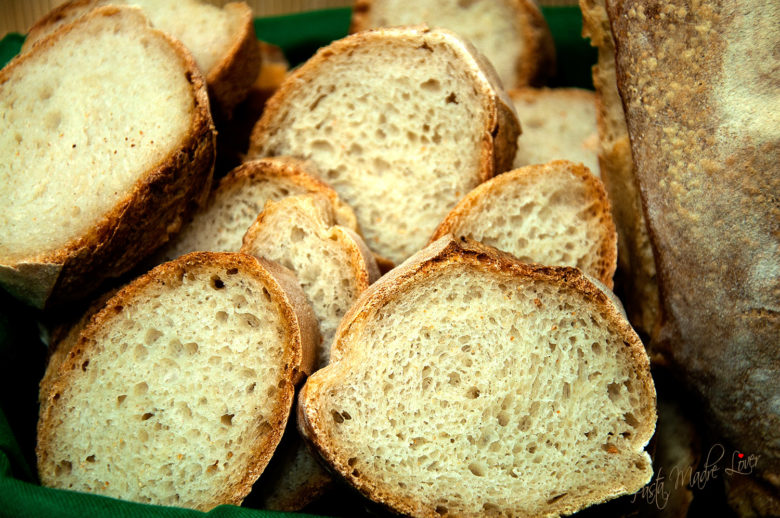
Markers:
<point>608,242</point>
<point>140,222</point>
<point>446,250</point>
<point>298,360</point>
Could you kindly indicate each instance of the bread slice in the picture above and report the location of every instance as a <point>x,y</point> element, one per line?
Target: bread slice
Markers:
<point>400,122</point>
<point>178,391</point>
<point>98,170</point>
<point>466,383</point>
<point>512,34</point>
<point>556,214</point>
<point>636,277</point>
<point>558,124</point>
<point>222,40</point>
<point>241,196</point>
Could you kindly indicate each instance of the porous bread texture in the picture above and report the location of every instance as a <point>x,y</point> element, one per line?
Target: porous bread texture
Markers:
<point>241,196</point>
<point>558,124</point>
<point>554,214</point>
<point>178,391</point>
<point>467,383</point>
<point>400,122</point>
<point>99,171</point>
<point>332,263</point>
<point>512,34</point>
<point>221,39</point>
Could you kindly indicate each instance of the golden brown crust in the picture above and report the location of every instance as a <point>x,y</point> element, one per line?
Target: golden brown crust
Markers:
<point>607,252</point>
<point>499,137</point>
<point>298,359</point>
<point>140,222</point>
<point>704,144</point>
<point>313,425</point>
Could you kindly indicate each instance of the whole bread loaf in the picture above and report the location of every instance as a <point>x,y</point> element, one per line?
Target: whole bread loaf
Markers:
<point>177,392</point>
<point>222,40</point>
<point>699,82</point>
<point>401,122</point>
<point>108,144</point>
<point>467,383</point>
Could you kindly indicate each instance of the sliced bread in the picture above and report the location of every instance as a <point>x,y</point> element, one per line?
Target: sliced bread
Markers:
<point>178,391</point>
<point>108,144</point>
<point>466,383</point>
<point>558,124</point>
<point>401,122</point>
<point>241,196</point>
<point>556,214</point>
<point>222,40</point>
<point>512,34</point>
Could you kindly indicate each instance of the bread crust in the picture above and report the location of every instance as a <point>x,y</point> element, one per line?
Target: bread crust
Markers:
<point>142,221</point>
<point>297,317</point>
<point>705,161</point>
<point>313,425</point>
<point>535,64</point>
<point>607,252</point>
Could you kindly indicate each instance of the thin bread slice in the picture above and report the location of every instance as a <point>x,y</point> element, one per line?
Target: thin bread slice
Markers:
<point>400,122</point>
<point>466,383</point>
<point>512,34</point>
<point>558,124</point>
<point>241,196</point>
<point>178,391</point>
<point>556,214</point>
<point>222,39</point>
<point>99,171</point>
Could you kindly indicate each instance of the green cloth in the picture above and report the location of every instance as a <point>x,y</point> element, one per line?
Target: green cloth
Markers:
<point>22,354</point>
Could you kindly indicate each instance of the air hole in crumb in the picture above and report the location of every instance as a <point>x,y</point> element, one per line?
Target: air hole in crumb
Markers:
<point>227,419</point>
<point>556,498</point>
<point>477,469</point>
<point>345,415</point>
<point>440,509</point>
<point>121,399</point>
<point>217,283</point>
<point>140,389</point>
<point>147,416</point>
<point>630,420</point>
<point>431,85</point>
<point>297,234</point>
<point>151,336</point>
<point>232,271</point>
<point>267,295</point>
<point>337,417</point>
<point>352,461</point>
<point>251,388</point>
<point>91,458</point>
<point>222,317</point>
<point>613,390</point>
<point>63,467</point>
<point>596,348</point>
<point>84,365</point>
<point>473,393</point>
<point>452,98</point>
<point>503,418</point>
<point>566,391</point>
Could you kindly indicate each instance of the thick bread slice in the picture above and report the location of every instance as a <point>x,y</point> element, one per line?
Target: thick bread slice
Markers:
<point>109,146</point>
<point>636,275</point>
<point>178,391</point>
<point>466,383</point>
<point>699,82</point>
<point>558,124</point>
<point>241,196</point>
<point>222,40</point>
<point>401,122</point>
<point>555,214</point>
<point>512,34</point>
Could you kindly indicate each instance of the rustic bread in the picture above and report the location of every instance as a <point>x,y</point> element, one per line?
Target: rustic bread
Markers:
<point>512,34</point>
<point>222,40</point>
<point>401,122</point>
<point>241,196</point>
<point>98,171</point>
<point>466,383</point>
<point>178,391</point>
<point>556,214</point>
<point>636,280</point>
<point>558,124</point>
<point>699,83</point>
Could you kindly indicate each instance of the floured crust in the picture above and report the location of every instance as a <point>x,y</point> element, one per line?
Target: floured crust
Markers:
<point>142,221</point>
<point>606,260</point>
<point>533,66</point>
<point>313,425</point>
<point>298,357</point>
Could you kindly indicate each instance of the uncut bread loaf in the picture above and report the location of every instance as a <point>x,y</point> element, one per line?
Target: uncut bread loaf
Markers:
<point>466,383</point>
<point>636,280</point>
<point>512,34</point>
<point>109,146</point>
<point>241,195</point>
<point>178,391</point>
<point>699,84</point>
<point>401,122</point>
<point>558,124</point>
<point>222,40</point>
<point>554,214</point>
<point>334,267</point>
